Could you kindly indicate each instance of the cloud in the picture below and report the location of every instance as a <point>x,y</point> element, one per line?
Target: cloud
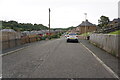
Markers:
<point>64,13</point>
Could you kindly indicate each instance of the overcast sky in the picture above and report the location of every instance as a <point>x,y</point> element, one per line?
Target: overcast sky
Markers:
<point>64,13</point>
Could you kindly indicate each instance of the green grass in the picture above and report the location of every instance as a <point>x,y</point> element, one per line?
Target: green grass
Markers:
<point>115,32</point>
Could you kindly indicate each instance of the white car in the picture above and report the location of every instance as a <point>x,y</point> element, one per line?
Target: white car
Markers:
<point>72,37</point>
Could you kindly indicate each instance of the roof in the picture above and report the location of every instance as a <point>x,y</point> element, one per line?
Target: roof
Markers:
<point>86,23</point>
<point>116,20</point>
<point>8,30</point>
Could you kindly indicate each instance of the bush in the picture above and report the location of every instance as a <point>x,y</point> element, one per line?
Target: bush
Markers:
<point>43,38</point>
<point>51,36</point>
<point>55,36</point>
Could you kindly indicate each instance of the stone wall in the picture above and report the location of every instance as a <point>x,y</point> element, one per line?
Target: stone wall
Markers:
<point>109,43</point>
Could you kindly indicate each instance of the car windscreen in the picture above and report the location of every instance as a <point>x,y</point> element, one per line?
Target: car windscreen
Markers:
<point>72,34</point>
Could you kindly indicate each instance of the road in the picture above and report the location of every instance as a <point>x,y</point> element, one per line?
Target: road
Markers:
<point>53,59</point>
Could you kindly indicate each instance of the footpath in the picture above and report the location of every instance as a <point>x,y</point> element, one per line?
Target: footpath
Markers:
<point>20,47</point>
<point>107,58</point>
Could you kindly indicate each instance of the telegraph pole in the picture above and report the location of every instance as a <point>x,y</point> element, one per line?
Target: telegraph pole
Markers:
<point>85,23</point>
<point>49,22</point>
<point>118,23</point>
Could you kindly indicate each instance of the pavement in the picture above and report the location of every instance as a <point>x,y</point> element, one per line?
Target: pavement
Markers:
<point>14,48</point>
<point>106,57</point>
<point>20,47</point>
<point>59,59</point>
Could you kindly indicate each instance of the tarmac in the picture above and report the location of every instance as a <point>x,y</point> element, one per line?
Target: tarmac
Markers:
<point>106,57</point>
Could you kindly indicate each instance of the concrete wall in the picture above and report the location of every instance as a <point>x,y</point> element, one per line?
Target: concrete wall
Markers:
<point>13,39</point>
<point>10,43</point>
<point>107,42</point>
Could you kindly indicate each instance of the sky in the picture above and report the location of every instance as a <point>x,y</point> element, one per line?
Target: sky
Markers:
<point>119,9</point>
<point>64,13</point>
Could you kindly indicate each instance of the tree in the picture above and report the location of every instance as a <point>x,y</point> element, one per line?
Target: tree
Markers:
<point>103,21</point>
<point>70,28</point>
<point>22,26</point>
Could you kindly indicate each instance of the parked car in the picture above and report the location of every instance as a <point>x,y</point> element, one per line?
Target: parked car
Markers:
<point>66,35</point>
<point>72,37</point>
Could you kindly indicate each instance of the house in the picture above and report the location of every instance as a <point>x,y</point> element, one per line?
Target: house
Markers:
<point>114,23</point>
<point>86,26</point>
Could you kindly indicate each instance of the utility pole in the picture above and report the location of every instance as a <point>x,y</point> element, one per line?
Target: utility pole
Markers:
<point>119,9</point>
<point>49,22</point>
<point>85,22</point>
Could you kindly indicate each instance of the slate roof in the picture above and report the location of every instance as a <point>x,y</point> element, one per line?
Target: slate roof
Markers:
<point>86,23</point>
<point>8,30</point>
<point>117,20</point>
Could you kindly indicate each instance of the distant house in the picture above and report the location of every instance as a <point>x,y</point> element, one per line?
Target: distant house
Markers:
<point>73,30</point>
<point>8,30</point>
<point>86,26</point>
<point>114,23</point>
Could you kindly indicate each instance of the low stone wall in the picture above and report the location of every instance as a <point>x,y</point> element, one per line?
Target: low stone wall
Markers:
<point>107,42</point>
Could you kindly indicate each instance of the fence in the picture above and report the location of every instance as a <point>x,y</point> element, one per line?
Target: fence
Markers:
<point>107,42</point>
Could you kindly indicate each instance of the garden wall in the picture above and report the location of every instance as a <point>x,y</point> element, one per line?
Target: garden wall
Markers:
<point>107,42</point>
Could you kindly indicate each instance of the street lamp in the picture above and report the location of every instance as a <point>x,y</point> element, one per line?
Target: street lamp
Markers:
<point>85,24</point>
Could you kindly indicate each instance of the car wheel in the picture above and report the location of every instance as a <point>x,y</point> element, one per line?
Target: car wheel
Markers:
<point>77,41</point>
<point>67,40</point>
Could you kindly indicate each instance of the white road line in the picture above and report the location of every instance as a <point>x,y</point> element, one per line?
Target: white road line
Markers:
<point>0,75</point>
<point>4,54</point>
<point>103,64</point>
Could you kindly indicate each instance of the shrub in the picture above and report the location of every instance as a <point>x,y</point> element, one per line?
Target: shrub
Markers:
<point>55,36</point>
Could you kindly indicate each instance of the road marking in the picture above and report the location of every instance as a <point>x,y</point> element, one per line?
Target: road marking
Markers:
<point>0,75</point>
<point>4,54</point>
<point>103,64</point>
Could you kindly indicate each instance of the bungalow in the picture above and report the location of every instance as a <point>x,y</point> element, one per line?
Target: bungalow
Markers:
<point>86,26</point>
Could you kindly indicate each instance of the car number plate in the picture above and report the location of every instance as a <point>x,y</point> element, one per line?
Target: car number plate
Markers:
<point>72,38</point>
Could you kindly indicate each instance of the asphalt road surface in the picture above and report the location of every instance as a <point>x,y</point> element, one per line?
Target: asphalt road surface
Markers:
<point>53,59</point>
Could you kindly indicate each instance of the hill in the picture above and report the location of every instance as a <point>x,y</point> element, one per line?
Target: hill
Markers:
<point>22,26</point>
